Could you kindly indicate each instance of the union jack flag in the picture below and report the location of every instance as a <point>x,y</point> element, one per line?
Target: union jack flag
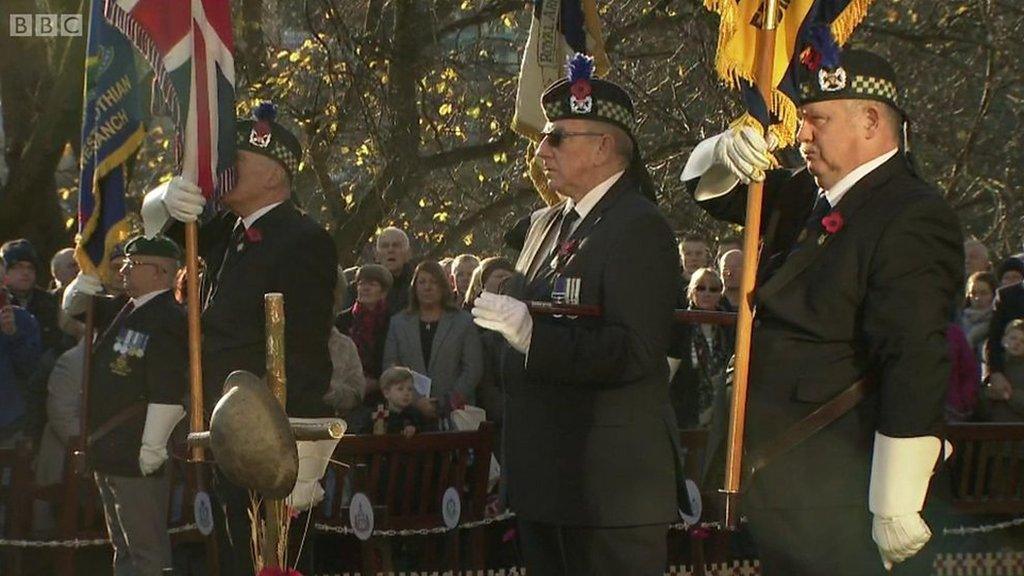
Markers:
<point>190,47</point>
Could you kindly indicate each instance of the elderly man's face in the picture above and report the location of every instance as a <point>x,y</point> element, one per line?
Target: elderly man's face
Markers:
<point>65,268</point>
<point>732,269</point>
<point>392,252</point>
<point>976,258</point>
<point>254,172</point>
<point>830,139</point>
<point>145,274</point>
<point>568,156</point>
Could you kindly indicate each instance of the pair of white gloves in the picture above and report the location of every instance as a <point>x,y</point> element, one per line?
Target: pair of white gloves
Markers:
<point>901,467</point>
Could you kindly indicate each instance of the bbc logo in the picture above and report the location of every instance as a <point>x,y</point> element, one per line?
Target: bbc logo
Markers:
<point>46,25</point>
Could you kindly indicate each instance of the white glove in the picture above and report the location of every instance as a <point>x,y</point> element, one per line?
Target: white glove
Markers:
<point>160,422</point>
<point>901,469</point>
<point>77,293</point>
<point>313,459</point>
<point>507,316</point>
<point>744,152</point>
<point>177,198</point>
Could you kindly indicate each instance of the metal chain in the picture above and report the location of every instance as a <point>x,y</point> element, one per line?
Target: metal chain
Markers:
<point>985,528</point>
<point>476,524</point>
<point>77,543</point>
<point>419,531</point>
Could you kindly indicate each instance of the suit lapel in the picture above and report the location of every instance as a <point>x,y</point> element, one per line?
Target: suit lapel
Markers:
<point>444,326</point>
<point>813,245</point>
<point>539,231</point>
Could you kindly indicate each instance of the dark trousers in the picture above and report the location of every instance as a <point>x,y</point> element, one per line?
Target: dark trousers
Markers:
<point>555,550</point>
<point>816,541</point>
<point>233,530</point>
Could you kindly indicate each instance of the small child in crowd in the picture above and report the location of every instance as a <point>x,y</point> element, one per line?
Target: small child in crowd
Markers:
<point>396,385</point>
<point>1006,403</point>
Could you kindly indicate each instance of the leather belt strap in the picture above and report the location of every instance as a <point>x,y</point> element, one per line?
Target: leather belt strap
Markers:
<point>813,423</point>
<point>117,420</point>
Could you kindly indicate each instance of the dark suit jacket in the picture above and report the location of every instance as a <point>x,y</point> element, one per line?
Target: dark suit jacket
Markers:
<point>1008,305</point>
<point>871,300</point>
<point>155,371</point>
<point>590,436</point>
<point>294,256</point>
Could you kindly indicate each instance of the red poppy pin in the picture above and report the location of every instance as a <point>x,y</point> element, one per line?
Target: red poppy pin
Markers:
<point>253,235</point>
<point>832,222</point>
<point>565,252</point>
<point>580,89</point>
<point>811,59</point>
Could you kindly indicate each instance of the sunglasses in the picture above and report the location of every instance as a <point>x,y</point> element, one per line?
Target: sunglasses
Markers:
<point>129,264</point>
<point>708,288</point>
<point>556,136</point>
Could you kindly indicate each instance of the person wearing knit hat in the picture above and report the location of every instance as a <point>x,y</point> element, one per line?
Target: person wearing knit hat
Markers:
<point>860,265</point>
<point>592,482</point>
<point>261,243</point>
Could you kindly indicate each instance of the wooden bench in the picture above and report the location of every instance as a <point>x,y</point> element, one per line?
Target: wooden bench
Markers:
<point>987,467</point>
<point>405,480</point>
<point>15,506</point>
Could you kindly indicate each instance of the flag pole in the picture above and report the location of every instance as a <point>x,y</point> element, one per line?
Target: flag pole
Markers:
<point>744,325</point>
<point>195,350</point>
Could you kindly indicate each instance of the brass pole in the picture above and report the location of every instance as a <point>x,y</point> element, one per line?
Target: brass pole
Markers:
<point>745,320</point>
<point>273,510</point>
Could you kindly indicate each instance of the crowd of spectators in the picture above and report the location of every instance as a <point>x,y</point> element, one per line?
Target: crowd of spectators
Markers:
<point>406,352</point>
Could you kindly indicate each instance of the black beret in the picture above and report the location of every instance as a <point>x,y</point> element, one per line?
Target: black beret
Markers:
<point>263,135</point>
<point>20,250</point>
<point>859,75</point>
<point>581,96</point>
<point>158,245</point>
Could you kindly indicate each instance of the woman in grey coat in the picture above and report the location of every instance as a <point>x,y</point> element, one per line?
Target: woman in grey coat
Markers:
<point>436,339</point>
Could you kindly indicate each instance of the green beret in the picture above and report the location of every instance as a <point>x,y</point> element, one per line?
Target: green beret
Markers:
<point>859,75</point>
<point>263,135</point>
<point>583,97</point>
<point>158,245</point>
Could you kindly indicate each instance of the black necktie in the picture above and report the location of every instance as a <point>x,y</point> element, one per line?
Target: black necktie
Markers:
<point>232,253</point>
<point>564,229</point>
<point>812,228</point>
<point>821,209</point>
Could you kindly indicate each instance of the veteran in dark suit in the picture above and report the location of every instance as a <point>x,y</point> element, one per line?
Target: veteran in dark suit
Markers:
<point>136,390</point>
<point>590,454</point>
<point>860,265</point>
<point>263,244</point>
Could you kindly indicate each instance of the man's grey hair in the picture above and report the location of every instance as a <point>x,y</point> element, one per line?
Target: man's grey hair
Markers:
<point>391,231</point>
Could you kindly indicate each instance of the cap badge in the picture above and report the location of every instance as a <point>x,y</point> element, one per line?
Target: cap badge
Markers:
<point>580,100</point>
<point>260,134</point>
<point>832,80</point>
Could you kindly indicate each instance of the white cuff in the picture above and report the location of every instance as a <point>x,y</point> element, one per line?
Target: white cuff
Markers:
<point>155,216</point>
<point>715,179</point>
<point>314,455</point>
<point>160,422</point>
<point>901,469</point>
